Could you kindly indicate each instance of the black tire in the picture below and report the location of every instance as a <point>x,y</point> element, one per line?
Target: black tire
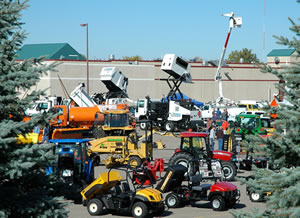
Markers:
<point>98,132</point>
<point>84,202</point>
<point>172,200</point>
<point>169,126</point>
<point>229,170</point>
<point>139,209</point>
<point>143,126</point>
<point>134,161</point>
<point>235,143</point>
<point>184,159</point>
<point>255,197</point>
<point>95,207</point>
<point>96,160</point>
<point>92,174</point>
<point>218,203</point>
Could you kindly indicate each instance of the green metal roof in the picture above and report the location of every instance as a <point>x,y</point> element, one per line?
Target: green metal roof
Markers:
<point>50,50</point>
<point>281,52</point>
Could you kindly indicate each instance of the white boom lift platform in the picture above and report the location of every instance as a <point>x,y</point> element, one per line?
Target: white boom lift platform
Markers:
<point>233,22</point>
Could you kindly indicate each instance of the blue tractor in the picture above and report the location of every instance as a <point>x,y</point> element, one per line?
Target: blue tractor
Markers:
<point>72,162</point>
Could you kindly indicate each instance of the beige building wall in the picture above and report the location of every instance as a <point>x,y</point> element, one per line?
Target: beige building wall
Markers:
<point>247,83</point>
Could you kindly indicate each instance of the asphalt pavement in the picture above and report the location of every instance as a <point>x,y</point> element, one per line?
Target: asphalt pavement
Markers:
<point>199,209</point>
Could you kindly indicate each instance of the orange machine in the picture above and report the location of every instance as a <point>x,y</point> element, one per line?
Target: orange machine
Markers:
<point>74,122</point>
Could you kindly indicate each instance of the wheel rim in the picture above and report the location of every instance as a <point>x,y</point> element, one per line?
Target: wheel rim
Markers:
<point>143,125</point>
<point>171,201</point>
<point>93,207</point>
<point>255,196</point>
<point>138,211</point>
<point>133,163</point>
<point>227,172</point>
<point>183,163</point>
<point>168,127</point>
<point>216,203</point>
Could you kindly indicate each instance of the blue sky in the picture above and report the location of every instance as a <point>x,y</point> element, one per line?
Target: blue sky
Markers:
<point>155,27</point>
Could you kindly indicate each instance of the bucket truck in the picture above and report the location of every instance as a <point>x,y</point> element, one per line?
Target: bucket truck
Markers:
<point>233,22</point>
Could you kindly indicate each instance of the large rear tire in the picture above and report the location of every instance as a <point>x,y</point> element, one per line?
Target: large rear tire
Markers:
<point>229,170</point>
<point>185,159</point>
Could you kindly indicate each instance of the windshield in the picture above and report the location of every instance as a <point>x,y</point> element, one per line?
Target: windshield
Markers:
<point>249,122</point>
<point>198,144</point>
<point>43,106</point>
<point>75,148</point>
<point>116,120</point>
<point>141,103</point>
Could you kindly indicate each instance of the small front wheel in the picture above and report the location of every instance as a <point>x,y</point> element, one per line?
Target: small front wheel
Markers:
<point>139,209</point>
<point>95,207</point>
<point>169,126</point>
<point>255,197</point>
<point>134,161</point>
<point>218,203</point>
<point>172,200</point>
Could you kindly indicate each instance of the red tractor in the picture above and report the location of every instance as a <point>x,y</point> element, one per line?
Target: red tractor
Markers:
<point>195,145</point>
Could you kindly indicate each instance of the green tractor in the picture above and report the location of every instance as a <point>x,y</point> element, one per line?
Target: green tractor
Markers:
<point>247,124</point>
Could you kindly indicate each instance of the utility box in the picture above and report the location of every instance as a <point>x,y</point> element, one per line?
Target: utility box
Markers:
<point>176,67</point>
<point>114,79</point>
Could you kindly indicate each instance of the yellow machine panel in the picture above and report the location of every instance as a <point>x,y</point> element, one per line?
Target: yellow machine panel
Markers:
<point>104,182</point>
<point>151,194</point>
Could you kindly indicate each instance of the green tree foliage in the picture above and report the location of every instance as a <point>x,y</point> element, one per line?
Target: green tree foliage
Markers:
<point>245,54</point>
<point>25,189</point>
<point>283,148</point>
<point>133,58</point>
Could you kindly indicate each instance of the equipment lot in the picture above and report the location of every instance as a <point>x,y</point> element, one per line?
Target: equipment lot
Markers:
<point>200,209</point>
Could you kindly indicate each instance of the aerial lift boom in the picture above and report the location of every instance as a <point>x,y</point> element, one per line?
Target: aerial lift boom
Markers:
<point>233,22</point>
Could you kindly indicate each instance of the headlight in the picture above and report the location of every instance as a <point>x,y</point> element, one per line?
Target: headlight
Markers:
<point>71,150</point>
<point>60,150</point>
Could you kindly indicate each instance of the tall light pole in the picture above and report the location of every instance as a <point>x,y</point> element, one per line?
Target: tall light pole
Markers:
<point>87,56</point>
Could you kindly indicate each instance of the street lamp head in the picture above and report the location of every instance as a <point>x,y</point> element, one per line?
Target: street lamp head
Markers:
<point>84,24</point>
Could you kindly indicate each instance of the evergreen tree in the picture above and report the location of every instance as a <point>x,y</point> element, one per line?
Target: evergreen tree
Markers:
<point>25,189</point>
<point>283,148</point>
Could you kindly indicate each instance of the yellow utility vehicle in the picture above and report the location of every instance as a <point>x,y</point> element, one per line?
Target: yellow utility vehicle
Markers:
<point>116,123</point>
<point>109,191</point>
<point>122,149</point>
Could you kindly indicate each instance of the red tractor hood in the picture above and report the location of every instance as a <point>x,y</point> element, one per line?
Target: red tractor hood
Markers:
<point>222,155</point>
<point>223,186</point>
